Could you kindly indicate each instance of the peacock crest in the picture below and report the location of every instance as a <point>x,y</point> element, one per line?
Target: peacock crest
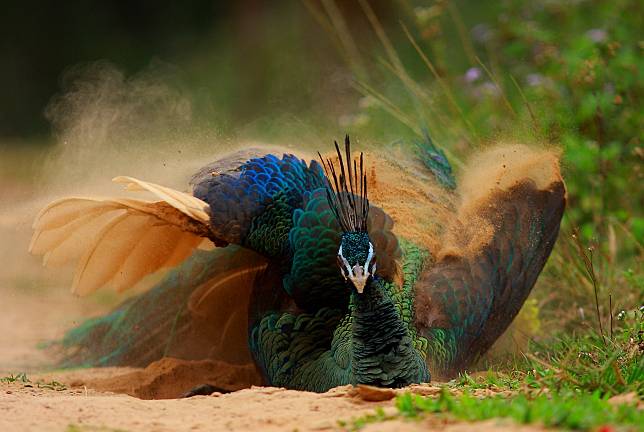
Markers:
<point>347,189</point>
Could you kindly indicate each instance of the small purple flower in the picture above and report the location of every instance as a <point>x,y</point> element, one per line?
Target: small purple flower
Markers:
<point>534,80</point>
<point>597,35</point>
<point>472,75</point>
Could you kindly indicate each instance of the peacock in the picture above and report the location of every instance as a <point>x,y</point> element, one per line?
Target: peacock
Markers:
<point>375,268</point>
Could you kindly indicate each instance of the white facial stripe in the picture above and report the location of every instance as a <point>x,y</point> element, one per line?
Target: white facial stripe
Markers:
<point>348,267</point>
<point>345,262</point>
<point>369,256</point>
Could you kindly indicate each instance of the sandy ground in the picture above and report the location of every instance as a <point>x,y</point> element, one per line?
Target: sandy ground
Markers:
<point>32,407</point>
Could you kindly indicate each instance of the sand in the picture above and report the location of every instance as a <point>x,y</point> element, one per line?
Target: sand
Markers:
<point>32,407</point>
<point>258,408</point>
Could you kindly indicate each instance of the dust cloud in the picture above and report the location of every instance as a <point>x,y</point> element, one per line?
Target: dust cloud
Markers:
<point>496,168</point>
<point>104,124</point>
<point>107,124</point>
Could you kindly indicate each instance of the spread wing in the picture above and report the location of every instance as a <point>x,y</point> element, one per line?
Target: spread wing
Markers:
<point>496,247</point>
<point>118,242</point>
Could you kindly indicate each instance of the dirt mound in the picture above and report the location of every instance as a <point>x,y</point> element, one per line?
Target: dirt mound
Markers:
<point>169,378</point>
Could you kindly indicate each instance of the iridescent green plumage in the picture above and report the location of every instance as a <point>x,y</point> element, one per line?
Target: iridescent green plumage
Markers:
<point>317,351</point>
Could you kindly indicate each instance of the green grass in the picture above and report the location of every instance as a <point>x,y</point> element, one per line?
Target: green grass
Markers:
<point>586,362</point>
<point>566,409</point>
<point>21,378</point>
<point>572,410</point>
<point>569,410</point>
<point>378,416</point>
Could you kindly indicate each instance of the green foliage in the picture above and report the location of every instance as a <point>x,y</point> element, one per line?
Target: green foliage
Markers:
<point>570,410</point>
<point>592,362</point>
<point>582,65</point>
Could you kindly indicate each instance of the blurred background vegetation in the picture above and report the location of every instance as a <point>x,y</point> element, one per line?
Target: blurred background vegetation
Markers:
<point>564,73</point>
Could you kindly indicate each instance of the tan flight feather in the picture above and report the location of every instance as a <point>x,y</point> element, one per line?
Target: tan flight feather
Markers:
<point>78,240</point>
<point>186,203</point>
<point>47,239</point>
<point>62,211</point>
<point>97,264</point>
<point>119,241</point>
<point>149,254</point>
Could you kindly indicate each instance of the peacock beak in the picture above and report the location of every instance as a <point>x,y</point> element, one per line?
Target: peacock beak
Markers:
<point>359,278</point>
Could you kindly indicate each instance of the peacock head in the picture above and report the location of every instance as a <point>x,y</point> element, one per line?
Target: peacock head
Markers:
<point>346,190</point>
<point>357,259</point>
